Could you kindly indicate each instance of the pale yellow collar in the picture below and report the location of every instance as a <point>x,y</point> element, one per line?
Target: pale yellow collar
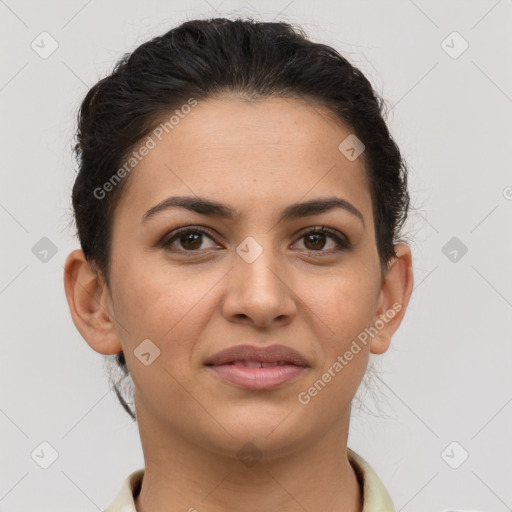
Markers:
<point>375,495</point>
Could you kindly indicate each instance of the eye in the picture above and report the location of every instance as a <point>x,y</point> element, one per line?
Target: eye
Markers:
<point>315,240</point>
<point>189,238</point>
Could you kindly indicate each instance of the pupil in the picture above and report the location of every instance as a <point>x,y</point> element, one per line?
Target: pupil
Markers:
<point>191,238</point>
<point>317,239</point>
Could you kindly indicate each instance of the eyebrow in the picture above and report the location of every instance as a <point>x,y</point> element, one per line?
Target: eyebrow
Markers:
<point>212,208</point>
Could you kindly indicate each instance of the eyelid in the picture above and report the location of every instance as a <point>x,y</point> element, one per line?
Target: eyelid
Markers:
<point>342,242</point>
<point>323,229</point>
<point>174,234</point>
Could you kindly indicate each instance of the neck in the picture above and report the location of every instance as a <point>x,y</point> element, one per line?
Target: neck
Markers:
<point>182,475</point>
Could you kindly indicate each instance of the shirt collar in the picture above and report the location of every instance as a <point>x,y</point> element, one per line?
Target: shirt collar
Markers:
<point>375,495</point>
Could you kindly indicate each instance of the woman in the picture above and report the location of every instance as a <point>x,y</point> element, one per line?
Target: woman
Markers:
<point>238,205</point>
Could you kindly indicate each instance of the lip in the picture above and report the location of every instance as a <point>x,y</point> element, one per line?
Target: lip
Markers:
<point>238,365</point>
<point>270,354</point>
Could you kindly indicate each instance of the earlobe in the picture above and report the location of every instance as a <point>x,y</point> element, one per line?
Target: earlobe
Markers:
<point>394,298</point>
<point>90,306</point>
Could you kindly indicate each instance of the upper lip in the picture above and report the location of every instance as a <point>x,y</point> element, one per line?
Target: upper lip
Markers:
<point>270,354</point>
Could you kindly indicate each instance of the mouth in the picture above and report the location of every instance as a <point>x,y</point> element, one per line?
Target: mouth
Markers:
<point>260,364</point>
<point>258,368</point>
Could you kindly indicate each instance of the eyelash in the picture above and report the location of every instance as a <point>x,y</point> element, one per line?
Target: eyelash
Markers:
<point>343,244</point>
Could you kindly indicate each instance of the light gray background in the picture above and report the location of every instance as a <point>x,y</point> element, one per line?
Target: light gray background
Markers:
<point>447,376</point>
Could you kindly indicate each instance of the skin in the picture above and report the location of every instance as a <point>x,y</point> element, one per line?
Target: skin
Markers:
<point>257,158</point>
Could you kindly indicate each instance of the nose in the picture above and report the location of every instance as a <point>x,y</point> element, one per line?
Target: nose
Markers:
<point>260,292</point>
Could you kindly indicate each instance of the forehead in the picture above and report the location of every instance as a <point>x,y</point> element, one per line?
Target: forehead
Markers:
<point>236,151</point>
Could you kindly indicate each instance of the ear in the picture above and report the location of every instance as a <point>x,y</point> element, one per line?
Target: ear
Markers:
<point>90,304</point>
<point>394,297</point>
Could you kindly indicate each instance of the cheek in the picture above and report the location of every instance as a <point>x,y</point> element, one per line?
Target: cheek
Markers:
<point>347,310</point>
<point>346,305</point>
<point>165,306</point>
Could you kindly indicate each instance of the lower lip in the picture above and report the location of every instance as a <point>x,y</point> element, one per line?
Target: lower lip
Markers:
<point>258,378</point>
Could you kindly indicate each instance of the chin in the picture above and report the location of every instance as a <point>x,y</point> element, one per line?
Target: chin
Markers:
<point>257,434</point>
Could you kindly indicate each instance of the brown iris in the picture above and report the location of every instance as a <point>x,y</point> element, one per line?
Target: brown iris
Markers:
<point>318,240</point>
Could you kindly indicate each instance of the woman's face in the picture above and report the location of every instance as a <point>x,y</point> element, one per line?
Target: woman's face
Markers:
<point>255,279</point>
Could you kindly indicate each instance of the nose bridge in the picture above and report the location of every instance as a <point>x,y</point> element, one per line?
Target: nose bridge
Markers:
<point>258,288</point>
<point>258,263</point>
